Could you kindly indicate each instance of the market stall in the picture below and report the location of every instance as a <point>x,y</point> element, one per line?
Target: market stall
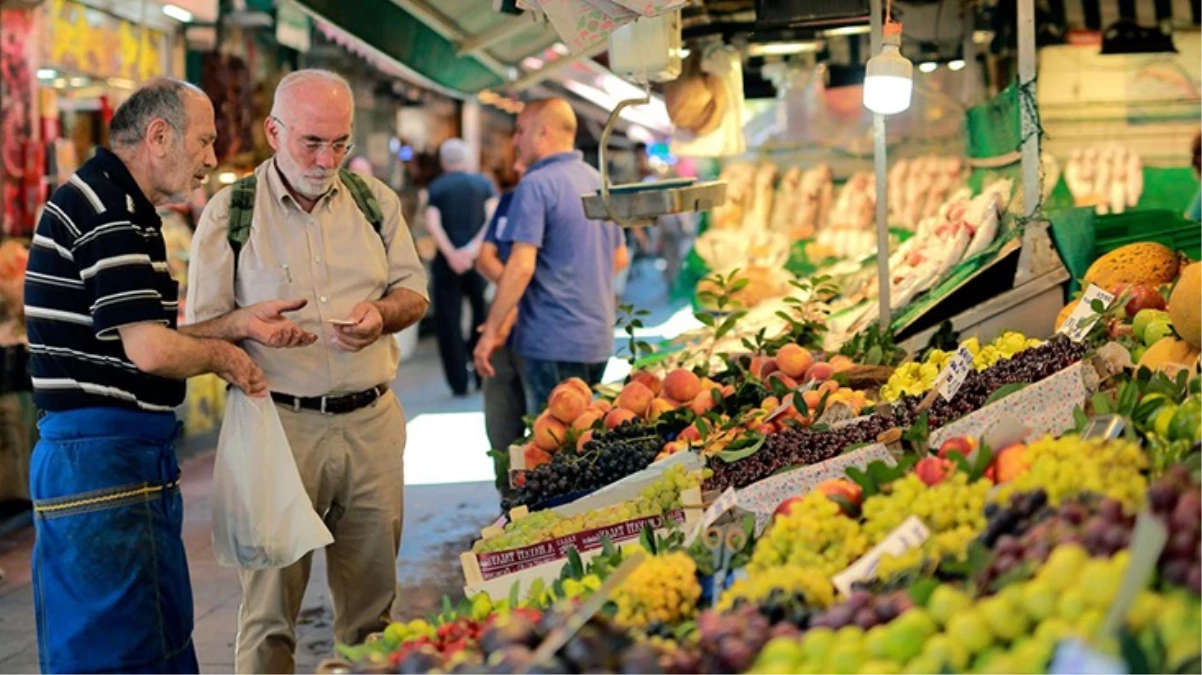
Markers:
<point>890,446</point>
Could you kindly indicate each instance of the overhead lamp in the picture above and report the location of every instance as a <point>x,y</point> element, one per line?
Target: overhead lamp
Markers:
<point>47,73</point>
<point>956,64</point>
<point>848,30</point>
<point>889,76</point>
<point>782,48</point>
<point>980,37</point>
<point>928,66</point>
<point>121,83</point>
<point>227,178</point>
<point>60,83</point>
<point>178,13</point>
<point>79,82</point>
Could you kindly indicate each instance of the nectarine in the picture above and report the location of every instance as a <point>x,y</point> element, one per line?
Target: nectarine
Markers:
<point>584,438</point>
<point>618,416</point>
<point>648,380</point>
<point>841,363</point>
<point>658,407</point>
<point>586,420</point>
<point>820,371</point>
<point>534,456</point>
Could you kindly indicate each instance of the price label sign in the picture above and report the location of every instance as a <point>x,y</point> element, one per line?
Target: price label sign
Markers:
<point>953,374</point>
<point>1083,316</point>
<point>911,533</point>
<point>725,502</point>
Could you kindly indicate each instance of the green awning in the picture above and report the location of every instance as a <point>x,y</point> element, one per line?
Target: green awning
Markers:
<point>386,27</point>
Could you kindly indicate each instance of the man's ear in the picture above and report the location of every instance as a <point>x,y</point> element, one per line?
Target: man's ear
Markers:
<point>159,136</point>
<point>271,130</point>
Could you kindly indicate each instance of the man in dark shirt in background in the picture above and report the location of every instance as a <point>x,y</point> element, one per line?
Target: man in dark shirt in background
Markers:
<point>461,201</point>
<point>111,588</point>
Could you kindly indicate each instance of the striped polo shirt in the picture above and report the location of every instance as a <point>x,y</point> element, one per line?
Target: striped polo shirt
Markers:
<point>98,263</point>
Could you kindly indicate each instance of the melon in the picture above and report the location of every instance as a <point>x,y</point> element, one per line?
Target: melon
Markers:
<point>1142,263</point>
<point>1170,355</point>
<point>1068,309</point>
<point>1185,305</point>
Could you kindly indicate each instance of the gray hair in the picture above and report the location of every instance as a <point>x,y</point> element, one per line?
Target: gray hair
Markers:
<point>304,77</point>
<point>160,98</point>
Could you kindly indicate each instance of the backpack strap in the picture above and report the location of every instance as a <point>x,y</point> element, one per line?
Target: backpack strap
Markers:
<point>364,199</point>
<point>242,213</point>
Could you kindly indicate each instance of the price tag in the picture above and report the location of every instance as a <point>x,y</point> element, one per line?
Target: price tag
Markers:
<point>1147,542</point>
<point>1083,316</point>
<point>787,401</point>
<point>953,374</point>
<point>725,502</point>
<point>909,534</point>
<point>1078,658</point>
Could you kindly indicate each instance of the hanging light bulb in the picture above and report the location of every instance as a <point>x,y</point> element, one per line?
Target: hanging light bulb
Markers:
<point>889,76</point>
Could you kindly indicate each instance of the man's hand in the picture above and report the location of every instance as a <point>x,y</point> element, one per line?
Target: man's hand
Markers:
<point>461,260</point>
<point>266,324</point>
<point>369,324</point>
<point>485,346</point>
<point>234,366</point>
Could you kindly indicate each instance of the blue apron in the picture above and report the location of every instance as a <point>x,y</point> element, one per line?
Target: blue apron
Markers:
<point>110,576</point>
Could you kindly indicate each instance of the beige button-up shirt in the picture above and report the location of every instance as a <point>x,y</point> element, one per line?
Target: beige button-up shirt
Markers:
<point>332,257</point>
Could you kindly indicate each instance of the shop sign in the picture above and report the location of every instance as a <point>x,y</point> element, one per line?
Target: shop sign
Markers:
<point>79,39</point>
<point>292,27</point>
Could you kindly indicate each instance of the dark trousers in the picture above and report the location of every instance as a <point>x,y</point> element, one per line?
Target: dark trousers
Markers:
<point>543,376</point>
<point>504,400</point>
<point>453,346</point>
<point>110,576</point>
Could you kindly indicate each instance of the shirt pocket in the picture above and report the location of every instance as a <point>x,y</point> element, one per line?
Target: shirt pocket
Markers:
<point>257,285</point>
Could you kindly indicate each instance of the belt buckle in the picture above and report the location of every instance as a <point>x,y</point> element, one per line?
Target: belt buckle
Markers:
<point>323,405</point>
<point>296,404</point>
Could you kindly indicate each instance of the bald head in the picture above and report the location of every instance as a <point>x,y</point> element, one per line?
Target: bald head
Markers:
<point>310,129</point>
<point>545,127</point>
<point>312,88</point>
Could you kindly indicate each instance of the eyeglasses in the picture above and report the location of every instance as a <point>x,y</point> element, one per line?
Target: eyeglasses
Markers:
<point>312,147</point>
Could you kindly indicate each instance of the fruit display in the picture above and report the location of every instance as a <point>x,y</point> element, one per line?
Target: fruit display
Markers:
<point>976,534</point>
<point>915,379</point>
<point>656,499</point>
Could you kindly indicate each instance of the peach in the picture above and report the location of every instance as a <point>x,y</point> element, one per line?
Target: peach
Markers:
<point>534,456</point>
<point>566,404</point>
<point>932,470</point>
<point>703,403</point>
<point>682,385</point>
<point>820,371</point>
<point>584,438</point>
<point>586,420</point>
<point>580,386</point>
<point>549,433</point>
<point>771,403</point>
<point>672,447</point>
<point>841,363</point>
<point>812,398</point>
<point>690,434</point>
<point>767,428</point>
<point>618,416</point>
<point>658,407</point>
<point>794,360</point>
<point>842,487</point>
<point>728,390</point>
<point>962,444</point>
<point>784,379</point>
<point>635,397</point>
<point>601,405</point>
<point>762,366</point>
<point>828,386</point>
<point>648,380</point>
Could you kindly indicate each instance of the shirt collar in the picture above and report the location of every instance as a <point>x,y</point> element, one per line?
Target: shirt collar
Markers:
<point>558,157</point>
<point>275,180</point>
<point>119,174</point>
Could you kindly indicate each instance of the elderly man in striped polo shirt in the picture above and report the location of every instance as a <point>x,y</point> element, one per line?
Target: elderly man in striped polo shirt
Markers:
<point>111,580</point>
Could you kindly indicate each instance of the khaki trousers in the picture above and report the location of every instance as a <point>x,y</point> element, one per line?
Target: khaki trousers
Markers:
<point>352,467</point>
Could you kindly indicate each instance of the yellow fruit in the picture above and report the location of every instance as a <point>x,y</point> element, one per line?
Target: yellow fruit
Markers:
<point>1141,263</point>
<point>1170,355</point>
<point>1184,305</point>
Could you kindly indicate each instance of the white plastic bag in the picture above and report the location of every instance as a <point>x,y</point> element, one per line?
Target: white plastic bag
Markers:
<point>262,516</point>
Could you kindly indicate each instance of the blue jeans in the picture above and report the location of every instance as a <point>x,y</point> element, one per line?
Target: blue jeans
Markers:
<point>110,577</point>
<point>543,376</point>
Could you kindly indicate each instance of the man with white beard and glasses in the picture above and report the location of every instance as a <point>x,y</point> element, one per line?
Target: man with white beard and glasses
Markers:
<point>299,227</point>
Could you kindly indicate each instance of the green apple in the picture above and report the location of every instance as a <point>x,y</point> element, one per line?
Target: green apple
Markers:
<point>1159,328</point>
<point>1145,317</point>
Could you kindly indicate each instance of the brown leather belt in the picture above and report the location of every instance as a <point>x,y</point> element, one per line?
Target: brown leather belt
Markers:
<point>332,405</point>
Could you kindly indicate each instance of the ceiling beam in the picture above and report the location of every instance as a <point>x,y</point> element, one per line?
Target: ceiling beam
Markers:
<point>535,76</point>
<point>476,44</point>
<point>444,26</point>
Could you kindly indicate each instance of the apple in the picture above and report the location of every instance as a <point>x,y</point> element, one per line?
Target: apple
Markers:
<point>1158,329</point>
<point>1145,318</point>
<point>933,470</point>
<point>962,444</point>
<point>1143,297</point>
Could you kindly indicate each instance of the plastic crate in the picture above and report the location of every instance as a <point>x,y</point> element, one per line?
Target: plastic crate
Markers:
<point>1166,227</point>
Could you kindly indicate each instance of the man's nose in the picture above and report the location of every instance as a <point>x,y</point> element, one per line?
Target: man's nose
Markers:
<point>327,158</point>
<point>210,158</point>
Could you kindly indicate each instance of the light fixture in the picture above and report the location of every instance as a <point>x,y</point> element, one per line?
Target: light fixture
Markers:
<point>47,73</point>
<point>889,76</point>
<point>60,83</point>
<point>848,30</point>
<point>782,48</point>
<point>79,82</point>
<point>928,66</point>
<point>981,37</point>
<point>227,177</point>
<point>121,83</point>
<point>178,13</point>
<point>956,64</point>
